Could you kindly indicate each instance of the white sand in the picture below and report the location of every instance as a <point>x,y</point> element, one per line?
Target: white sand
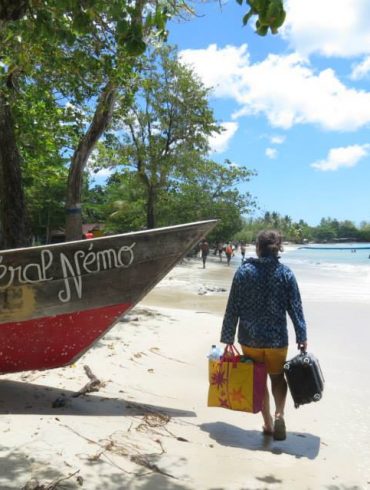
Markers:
<point>149,427</point>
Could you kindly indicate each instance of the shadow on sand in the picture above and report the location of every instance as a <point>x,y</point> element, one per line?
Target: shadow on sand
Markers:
<point>16,468</point>
<point>25,398</point>
<point>300,445</point>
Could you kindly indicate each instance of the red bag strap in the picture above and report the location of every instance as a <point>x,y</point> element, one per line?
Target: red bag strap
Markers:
<point>231,349</point>
<point>231,354</point>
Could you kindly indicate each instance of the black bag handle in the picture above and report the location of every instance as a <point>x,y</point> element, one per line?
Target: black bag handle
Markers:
<point>302,349</point>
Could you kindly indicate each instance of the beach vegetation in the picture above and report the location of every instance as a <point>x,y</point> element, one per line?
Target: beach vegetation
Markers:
<point>329,230</point>
<point>68,55</point>
<point>209,190</point>
<point>122,202</point>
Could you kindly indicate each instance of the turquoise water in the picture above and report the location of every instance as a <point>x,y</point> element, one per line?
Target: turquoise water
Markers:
<point>328,274</point>
<point>330,255</point>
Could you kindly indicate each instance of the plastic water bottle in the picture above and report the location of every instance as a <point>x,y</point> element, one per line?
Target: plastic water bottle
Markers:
<point>215,353</point>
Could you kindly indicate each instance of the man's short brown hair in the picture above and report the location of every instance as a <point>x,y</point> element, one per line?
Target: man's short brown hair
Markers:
<point>269,243</point>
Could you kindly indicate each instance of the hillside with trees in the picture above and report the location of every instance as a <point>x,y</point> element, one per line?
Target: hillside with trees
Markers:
<point>328,230</point>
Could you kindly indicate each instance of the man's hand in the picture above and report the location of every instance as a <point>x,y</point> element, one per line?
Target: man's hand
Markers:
<point>228,351</point>
<point>302,346</point>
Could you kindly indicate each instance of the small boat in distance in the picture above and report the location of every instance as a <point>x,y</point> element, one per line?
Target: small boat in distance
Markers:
<point>57,300</point>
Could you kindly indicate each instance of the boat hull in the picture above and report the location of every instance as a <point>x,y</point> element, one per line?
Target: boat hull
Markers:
<point>54,341</point>
<point>56,301</point>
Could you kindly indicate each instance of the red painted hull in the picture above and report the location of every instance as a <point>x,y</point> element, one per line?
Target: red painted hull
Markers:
<point>53,341</point>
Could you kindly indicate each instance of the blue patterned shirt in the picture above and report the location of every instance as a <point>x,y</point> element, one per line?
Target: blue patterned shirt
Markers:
<point>263,290</point>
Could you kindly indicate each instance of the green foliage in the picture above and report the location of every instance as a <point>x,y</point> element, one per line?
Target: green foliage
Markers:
<point>55,58</point>
<point>329,230</point>
<point>95,204</point>
<point>210,191</point>
<point>165,132</point>
<point>364,232</point>
<point>295,232</point>
<point>58,55</point>
<point>44,132</point>
<point>159,148</point>
<point>125,203</point>
<point>332,229</point>
<point>271,15</point>
<point>45,197</point>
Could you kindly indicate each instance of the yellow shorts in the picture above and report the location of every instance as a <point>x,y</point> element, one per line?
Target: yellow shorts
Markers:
<point>273,358</point>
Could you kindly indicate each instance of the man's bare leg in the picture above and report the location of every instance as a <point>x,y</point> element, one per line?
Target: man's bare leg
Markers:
<point>268,421</point>
<point>279,390</point>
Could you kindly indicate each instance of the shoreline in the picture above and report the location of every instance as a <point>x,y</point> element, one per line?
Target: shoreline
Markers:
<point>148,426</point>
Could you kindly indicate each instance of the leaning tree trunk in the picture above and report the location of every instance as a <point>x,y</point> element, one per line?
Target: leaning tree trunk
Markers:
<point>100,122</point>
<point>15,226</point>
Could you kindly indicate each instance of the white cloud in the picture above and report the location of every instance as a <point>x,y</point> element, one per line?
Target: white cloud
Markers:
<point>103,173</point>
<point>277,140</point>
<point>361,70</point>
<point>221,69</point>
<point>286,89</point>
<point>220,142</point>
<point>345,156</point>
<point>271,153</point>
<point>329,27</point>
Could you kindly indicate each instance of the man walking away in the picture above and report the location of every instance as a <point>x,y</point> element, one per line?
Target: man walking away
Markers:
<point>262,292</point>
<point>229,252</point>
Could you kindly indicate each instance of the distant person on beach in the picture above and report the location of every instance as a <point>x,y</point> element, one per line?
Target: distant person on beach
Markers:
<point>220,249</point>
<point>204,250</point>
<point>229,252</point>
<point>262,292</point>
<point>243,249</point>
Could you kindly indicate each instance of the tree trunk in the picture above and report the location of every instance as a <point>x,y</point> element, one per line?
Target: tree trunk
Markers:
<point>100,122</point>
<point>15,226</point>
<point>150,208</point>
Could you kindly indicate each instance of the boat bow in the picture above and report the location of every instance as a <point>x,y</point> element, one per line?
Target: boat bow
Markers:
<point>57,300</point>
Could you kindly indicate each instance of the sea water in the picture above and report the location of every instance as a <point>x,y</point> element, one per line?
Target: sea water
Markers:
<point>330,255</point>
<point>331,273</point>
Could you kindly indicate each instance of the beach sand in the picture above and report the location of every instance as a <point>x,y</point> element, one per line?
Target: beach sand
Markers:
<point>148,426</point>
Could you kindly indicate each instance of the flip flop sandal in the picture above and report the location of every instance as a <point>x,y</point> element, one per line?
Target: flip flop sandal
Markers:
<point>279,430</point>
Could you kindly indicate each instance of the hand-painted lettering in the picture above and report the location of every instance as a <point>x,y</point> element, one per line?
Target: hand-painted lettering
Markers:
<point>73,268</point>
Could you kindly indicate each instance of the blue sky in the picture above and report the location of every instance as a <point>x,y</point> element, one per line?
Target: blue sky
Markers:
<point>295,106</point>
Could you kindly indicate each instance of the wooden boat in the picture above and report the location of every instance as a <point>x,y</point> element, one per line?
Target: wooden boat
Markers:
<point>57,300</point>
